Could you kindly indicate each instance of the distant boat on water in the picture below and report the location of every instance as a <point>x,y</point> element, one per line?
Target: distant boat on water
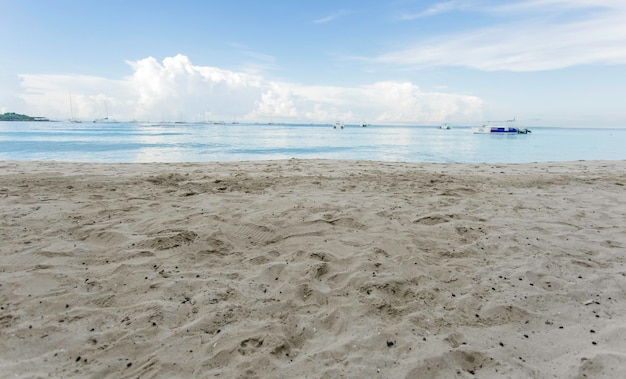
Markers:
<point>338,125</point>
<point>105,119</point>
<point>72,119</point>
<point>445,126</point>
<point>363,124</point>
<point>501,127</point>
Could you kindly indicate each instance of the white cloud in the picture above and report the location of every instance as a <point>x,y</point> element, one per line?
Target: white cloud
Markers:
<point>382,102</point>
<point>555,5</point>
<point>9,86</point>
<point>396,102</point>
<point>276,102</point>
<point>436,9</point>
<point>182,91</point>
<point>177,90</point>
<point>534,41</point>
<point>64,96</point>
<point>331,17</point>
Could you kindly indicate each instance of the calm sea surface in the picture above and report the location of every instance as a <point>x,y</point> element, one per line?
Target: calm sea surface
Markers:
<point>137,142</point>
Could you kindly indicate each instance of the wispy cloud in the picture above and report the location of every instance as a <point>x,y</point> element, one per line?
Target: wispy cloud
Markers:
<point>530,43</point>
<point>255,62</point>
<point>554,5</point>
<point>332,17</point>
<point>436,9</point>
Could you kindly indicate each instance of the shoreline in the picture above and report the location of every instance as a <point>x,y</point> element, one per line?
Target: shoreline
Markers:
<point>313,268</point>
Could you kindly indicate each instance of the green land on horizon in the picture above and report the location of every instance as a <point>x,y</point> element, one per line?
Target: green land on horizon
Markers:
<point>11,116</point>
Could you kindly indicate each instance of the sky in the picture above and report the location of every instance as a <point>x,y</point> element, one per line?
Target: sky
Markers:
<point>544,62</point>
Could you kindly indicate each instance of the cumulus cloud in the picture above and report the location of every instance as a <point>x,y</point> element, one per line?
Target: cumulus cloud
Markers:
<point>177,90</point>
<point>182,90</point>
<point>542,37</point>
<point>388,102</point>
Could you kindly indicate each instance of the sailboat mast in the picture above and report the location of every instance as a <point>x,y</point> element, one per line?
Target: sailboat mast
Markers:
<point>72,119</point>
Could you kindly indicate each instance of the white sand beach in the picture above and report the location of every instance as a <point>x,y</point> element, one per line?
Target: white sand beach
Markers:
<point>313,269</point>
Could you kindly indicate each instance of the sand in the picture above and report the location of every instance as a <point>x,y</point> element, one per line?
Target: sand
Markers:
<point>313,269</point>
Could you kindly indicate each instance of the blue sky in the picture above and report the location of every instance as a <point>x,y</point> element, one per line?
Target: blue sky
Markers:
<point>546,62</point>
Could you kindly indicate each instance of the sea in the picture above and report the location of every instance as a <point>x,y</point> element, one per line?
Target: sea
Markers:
<point>130,142</point>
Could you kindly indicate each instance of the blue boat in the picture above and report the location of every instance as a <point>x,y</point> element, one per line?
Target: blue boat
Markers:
<point>501,127</point>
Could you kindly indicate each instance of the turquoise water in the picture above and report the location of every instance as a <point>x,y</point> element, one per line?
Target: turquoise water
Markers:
<point>136,142</point>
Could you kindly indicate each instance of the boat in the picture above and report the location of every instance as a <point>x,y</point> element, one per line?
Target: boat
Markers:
<point>338,125</point>
<point>445,126</point>
<point>501,127</point>
<point>363,124</point>
<point>72,119</point>
<point>105,119</point>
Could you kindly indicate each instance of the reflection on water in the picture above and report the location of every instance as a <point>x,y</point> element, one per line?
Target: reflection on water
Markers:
<point>136,142</point>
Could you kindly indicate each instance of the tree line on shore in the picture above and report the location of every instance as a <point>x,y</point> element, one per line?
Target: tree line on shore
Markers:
<point>12,116</point>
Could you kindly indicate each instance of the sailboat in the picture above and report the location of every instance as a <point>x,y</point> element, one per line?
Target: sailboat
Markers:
<point>106,118</point>
<point>72,119</point>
